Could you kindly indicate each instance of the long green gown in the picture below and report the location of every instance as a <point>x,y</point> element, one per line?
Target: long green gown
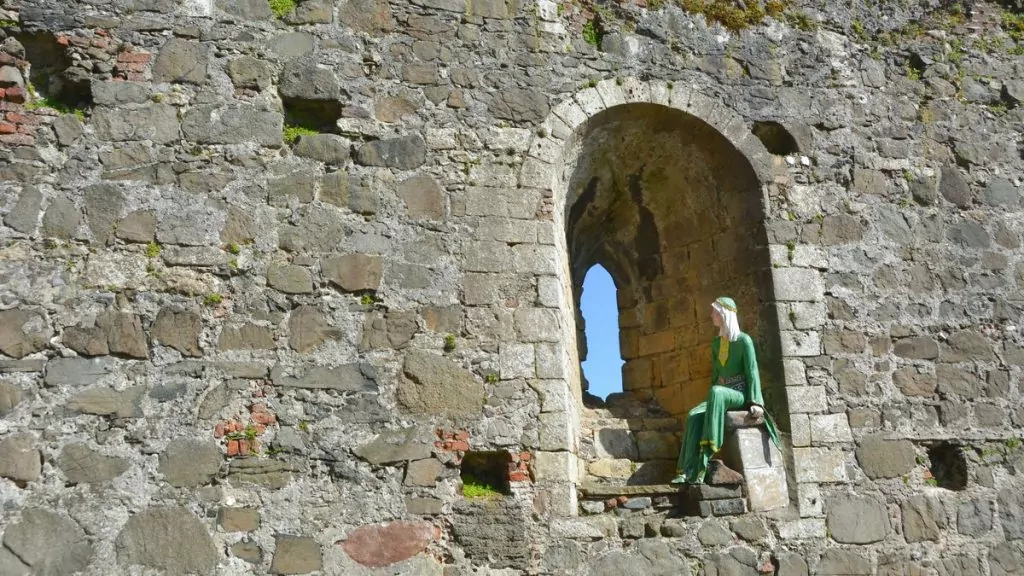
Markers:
<point>705,424</point>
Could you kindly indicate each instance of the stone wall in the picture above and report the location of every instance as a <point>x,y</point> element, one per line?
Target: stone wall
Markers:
<point>270,272</point>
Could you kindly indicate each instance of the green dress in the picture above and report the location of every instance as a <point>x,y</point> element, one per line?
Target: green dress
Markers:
<point>735,384</point>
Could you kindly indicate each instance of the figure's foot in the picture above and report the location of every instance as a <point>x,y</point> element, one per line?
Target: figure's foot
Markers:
<point>681,479</point>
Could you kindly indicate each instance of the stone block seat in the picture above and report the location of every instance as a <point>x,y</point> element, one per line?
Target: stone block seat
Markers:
<point>748,450</point>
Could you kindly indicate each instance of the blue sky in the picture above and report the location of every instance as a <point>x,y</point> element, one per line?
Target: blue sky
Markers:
<point>603,366</point>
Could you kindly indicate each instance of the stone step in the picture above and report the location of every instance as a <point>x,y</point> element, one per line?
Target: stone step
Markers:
<point>689,500</point>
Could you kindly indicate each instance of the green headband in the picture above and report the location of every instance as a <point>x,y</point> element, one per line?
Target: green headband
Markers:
<point>727,303</point>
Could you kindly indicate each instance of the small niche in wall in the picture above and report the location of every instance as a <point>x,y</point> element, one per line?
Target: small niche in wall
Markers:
<point>948,466</point>
<point>776,138</point>
<point>485,474</point>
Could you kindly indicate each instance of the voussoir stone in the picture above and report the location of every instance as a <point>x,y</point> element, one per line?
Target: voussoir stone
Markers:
<point>168,539</point>
<point>435,385</point>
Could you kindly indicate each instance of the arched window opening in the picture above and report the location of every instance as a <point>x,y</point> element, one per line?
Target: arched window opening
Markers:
<point>602,366</point>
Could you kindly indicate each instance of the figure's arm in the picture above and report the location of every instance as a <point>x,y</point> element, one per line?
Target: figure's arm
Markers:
<point>753,376</point>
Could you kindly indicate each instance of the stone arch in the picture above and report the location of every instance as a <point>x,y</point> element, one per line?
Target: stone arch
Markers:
<point>626,242</point>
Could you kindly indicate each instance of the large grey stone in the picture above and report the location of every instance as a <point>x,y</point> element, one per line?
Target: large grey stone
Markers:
<point>838,562</point>
<point>290,279</point>
<point>61,219</point>
<point>912,381</point>
<point>791,564</point>
<point>68,129</point>
<point>10,397</point>
<point>168,539</point>
<point>953,187</point>
<point>918,348</point>
<point>327,148</point>
<point>304,79</point>
<point>320,229</point>
<point>353,272</point>
<point>119,93</point>
<point>404,153</point>
<point>957,381</point>
<point>77,371</point>
<point>1006,559</point>
<point>841,229</point>
<point>969,234</point>
<point>968,345</point>
<point>104,401</point>
<point>292,44</point>
<point>249,72</point>
<point>345,378</point>
<point>881,458</point>
<point>394,446</point>
<point>20,460</point>
<point>307,328</point>
<point>181,61</point>
<point>24,216</point>
<point>125,336</point>
<point>296,555</point>
<point>924,518</point>
<point>103,204</point>
<point>713,533</point>
<point>83,465</point>
<point>372,17</point>
<point>974,517</point>
<point>239,519</point>
<point>49,543</point>
<point>233,124</point>
<point>138,226</point>
<point>188,463</point>
<point>520,105</point>
<point>856,519</point>
<point>422,196</point>
<point>22,333</point>
<point>1002,192</point>
<point>179,330</point>
<point>435,385</point>
<point>246,9</point>
<point>246,337</point>
<point>155,122</point>
<point>1011,513</point>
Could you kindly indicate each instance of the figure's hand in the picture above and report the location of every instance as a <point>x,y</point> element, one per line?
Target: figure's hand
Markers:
<point>756,412</point>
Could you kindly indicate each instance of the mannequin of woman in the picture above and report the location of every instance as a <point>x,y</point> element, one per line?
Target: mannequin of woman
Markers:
<point>735,384</point>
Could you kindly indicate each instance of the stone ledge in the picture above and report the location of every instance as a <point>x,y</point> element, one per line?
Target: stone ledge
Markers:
<point>695,492</point>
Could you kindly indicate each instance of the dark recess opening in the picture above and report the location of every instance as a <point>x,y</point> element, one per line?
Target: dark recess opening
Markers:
<point>488,470</point>
<point>948,465</point>
<point>775,138</point>
<point>53,73</point>
<point>317,115</point>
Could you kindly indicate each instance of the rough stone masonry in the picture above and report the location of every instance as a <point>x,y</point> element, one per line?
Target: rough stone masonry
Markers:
<point>292,287</point>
